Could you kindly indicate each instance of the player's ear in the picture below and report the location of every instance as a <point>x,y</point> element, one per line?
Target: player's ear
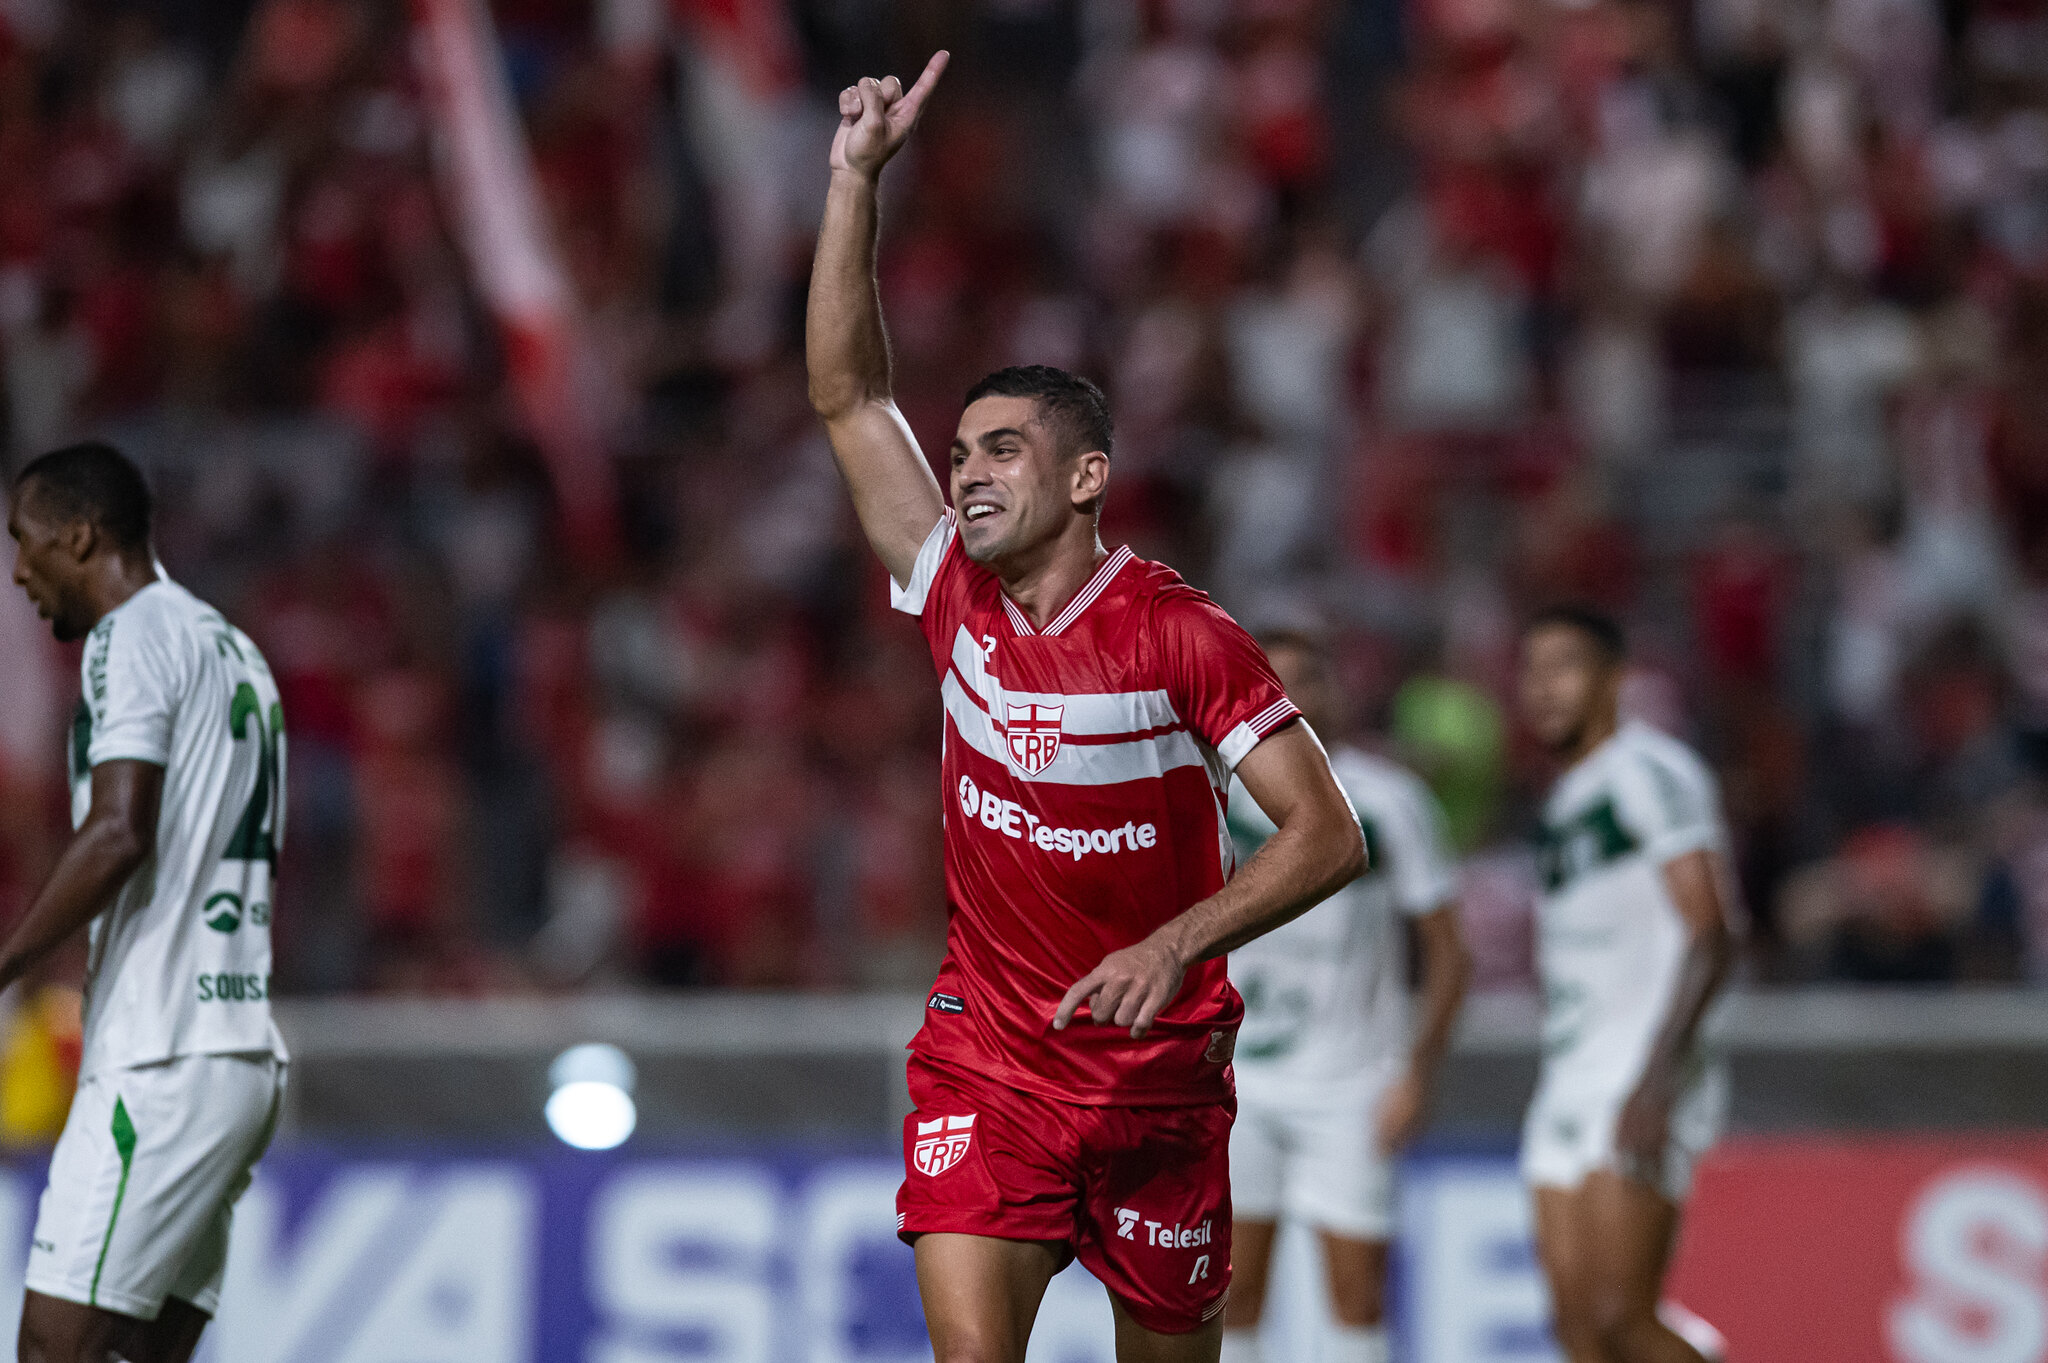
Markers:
<point>79,537</point>
<point>1090,478</point>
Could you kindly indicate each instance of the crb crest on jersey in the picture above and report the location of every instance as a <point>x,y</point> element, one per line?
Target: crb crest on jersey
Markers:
<point>1034,733</point>
<point>942,1143</point>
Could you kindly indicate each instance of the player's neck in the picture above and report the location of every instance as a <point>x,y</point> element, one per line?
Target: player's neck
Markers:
<point>116,578</point>
<point>1597,731</point>
<point>1044,581</point>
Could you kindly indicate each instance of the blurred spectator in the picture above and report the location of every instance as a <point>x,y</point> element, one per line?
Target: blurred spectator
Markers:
<point>1497,911</point>
<point>1888,909</point>
<point>1737,326</point>
<point>1452,732</point>
<point>2026,635</point>
<point>1869,621</point>
<point>1455,358</point>
<point>1845,354</point>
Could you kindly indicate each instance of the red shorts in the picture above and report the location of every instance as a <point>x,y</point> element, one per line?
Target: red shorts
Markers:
<point>1140,1195</point>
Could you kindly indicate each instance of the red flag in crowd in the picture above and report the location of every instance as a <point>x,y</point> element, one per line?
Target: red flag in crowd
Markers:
<point>563,393</point>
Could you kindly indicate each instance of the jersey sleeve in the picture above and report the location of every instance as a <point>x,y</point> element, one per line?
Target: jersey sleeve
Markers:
<point>1218,678</point>
<point>1420,864</point>
<point>1669,803</point>
<point>135,675</point>
<point>913,596</point>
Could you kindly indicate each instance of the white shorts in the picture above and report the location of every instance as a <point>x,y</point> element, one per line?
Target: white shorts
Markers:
<point>1318,1163</point>
<point>144,1180</point>
<point>1570,1133</point>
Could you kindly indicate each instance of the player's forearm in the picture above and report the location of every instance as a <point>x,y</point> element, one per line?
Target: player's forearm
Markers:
<point>1701,972</point>
<point>101,857</point>
<point>1312,856</point>
<point>846,349</point>
<point>1446,974</point>
<point>1700,888</point>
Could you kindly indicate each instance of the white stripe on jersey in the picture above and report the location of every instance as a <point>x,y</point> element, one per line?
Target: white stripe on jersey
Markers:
<point>1076,764</point>
<point>1097,712</point>
<point>1158,740</point>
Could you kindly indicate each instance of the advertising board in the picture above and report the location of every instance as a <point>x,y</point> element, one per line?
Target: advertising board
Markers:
<point>1799,1251</point>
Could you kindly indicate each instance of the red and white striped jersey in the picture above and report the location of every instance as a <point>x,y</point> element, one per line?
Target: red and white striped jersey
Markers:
<point>1086,769</point>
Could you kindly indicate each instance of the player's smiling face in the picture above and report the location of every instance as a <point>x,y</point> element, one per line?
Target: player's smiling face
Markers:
<point>1013,487</point>
<point>47,566</point>
<point>1566,686</point>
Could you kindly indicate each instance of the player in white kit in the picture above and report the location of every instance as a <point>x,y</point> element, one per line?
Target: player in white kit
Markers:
<point>177,776</point>
<point>1332,1077</point>
<point>1633,941</point>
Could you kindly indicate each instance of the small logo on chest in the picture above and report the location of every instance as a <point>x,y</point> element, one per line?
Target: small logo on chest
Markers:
<point>1034,734</point>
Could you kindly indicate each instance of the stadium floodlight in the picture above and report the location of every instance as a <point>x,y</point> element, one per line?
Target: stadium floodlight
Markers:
<point>591,1106</point>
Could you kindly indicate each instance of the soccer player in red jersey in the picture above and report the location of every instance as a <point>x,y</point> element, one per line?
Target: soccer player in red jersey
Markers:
<point>1072,1080</point>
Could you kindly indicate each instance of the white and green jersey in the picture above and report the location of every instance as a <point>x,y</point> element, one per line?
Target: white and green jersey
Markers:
<point>1610,939</point>
<point>180,961</point>
<point>1326,995</point>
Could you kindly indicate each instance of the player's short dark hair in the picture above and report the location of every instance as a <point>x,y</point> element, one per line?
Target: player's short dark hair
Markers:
<point>94,481</point>
<point>1072,406</point>
<point>1602,630</point>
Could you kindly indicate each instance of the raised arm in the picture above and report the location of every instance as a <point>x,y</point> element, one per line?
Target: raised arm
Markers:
<point>1317,850</point>
<point>845,349</point>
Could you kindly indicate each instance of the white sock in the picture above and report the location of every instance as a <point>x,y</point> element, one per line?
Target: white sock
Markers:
<point>1240,1346</point>
<point>1353,1344</point>
<point>1693,1331</point>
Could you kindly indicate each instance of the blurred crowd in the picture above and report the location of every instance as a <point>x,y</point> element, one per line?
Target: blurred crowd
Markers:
<point>1730,316</point>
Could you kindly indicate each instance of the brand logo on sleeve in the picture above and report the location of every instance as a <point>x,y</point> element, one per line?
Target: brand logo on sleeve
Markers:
<point>946,1003</point>
<point>942,1143</point>
<point>1034,733</point>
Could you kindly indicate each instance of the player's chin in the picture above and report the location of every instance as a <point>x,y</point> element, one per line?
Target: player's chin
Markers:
<point>66,626</point>
<point>983,544</point>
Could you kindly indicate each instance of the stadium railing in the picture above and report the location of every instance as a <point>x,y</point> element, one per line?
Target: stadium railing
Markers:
<point>787,1065</point>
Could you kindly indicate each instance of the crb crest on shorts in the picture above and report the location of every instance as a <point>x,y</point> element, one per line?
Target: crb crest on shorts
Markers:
<point>942,1143</point>
<point>1034,732</point>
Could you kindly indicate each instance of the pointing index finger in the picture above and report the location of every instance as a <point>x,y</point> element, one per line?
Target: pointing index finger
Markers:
<point>914,98</point>
<point>1081,989</point>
